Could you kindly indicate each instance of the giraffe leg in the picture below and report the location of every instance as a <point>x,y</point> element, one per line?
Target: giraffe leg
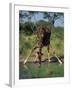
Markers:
<point>40,55</point>
<point>33,49</point>
<point>58,59</point>
<point>36,56</point>
<point>48,49</point>
<point>55,55</point>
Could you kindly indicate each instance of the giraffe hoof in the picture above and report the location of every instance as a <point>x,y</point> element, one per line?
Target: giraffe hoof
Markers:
<point>25,61</point>
<point>49,60</point>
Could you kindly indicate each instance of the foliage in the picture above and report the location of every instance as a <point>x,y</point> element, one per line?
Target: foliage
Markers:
<point>27,28</point>
<point>52,16</point>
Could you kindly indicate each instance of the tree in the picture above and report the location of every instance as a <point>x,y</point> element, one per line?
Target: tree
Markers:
<point>52,16</point>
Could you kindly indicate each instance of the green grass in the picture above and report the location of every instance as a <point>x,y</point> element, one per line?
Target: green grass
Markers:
<point>45,70</point>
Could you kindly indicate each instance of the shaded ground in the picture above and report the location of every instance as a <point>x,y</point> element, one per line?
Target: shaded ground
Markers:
<point>34,70</point>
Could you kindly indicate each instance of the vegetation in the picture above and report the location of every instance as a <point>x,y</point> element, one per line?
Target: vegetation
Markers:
<point>32,70</point>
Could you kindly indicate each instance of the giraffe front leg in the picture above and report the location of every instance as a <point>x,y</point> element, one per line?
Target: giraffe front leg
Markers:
<point>40,55</point>
<point>34,48</point>
<point>48,49</point>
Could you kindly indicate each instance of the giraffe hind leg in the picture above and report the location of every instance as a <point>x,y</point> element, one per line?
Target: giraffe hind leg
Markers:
<point>55,54</point>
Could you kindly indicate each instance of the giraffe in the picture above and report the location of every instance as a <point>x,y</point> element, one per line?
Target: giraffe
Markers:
<point>43,35</point>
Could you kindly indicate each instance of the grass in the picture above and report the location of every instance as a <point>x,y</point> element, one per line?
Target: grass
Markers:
<point>32,70</point>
